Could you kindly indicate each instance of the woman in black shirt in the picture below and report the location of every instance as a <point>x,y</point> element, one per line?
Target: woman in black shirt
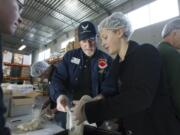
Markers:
<point>142,106</point>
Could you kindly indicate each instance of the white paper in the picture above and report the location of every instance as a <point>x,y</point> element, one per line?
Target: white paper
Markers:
<point>26,59</point>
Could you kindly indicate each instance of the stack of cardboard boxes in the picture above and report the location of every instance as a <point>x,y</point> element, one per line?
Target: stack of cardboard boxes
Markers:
<point>72,45</point>
<point>18,103</point>
<point>25,72</point>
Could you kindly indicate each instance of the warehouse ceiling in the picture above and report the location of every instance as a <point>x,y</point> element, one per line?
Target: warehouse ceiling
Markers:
<point>46,20</point>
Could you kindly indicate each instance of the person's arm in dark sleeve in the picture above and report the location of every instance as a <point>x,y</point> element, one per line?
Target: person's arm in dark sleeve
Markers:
<point>108,86</point>
<point>59,80</point>
<point>3,130</point>
<point>135,97</point>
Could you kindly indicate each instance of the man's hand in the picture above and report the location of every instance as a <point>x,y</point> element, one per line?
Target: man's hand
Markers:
<point>62,102</point>
<point>78,109</point>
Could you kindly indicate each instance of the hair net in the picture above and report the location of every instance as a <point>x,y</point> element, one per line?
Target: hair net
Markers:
<point>38,68</point>
<point>115,21</point>
<point>170,26</point>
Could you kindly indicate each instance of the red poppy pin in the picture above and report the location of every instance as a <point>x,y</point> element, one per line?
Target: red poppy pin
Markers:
<point>102,63</point>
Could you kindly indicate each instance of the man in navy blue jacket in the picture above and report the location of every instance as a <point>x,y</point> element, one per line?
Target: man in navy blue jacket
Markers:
<point>9,20</point>
<point>83,71</point>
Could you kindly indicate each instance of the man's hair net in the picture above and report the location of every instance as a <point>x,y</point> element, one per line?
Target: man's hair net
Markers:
<point>38,68</point>
<point>115,21</point>
<point>170,26</point>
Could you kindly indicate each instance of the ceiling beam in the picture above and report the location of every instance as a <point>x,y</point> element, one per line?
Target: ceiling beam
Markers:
<point>88,6</point>
<point>57,10</point>
<point>102,6</point>
<point>14,48</point>
<point>35,21</point>
<point>35,33</point>
<point>28,42</point>
<point>29,6</point>
<point>41,15</point>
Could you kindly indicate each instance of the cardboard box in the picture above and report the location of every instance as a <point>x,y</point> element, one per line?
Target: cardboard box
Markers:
<point>34,94</point>
<point>7,100</point>
<point>25,72</point>
<point>76,34</point>
<point>27,59</point>
<point>76,45</point>
<point>6,70</point>
<point>21,105</point>
<point>20,90</point>
<point>7,56</point>
<point>18,58</point>
<point>69,46</point>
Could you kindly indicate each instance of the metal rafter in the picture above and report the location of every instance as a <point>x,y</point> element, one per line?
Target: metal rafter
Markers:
<point>102,6</point>
<point>56,34</point>
<point>28,41</point>
<point>83,18</point>
<point>61,20</point>
<point>88,6</point>
<point>58,11</point>
<point>18,43</point>
<point>37,33</point>
<point>49,14</point>
<point>34,21</point>
<point>26,51</point>
<point>55,4</point>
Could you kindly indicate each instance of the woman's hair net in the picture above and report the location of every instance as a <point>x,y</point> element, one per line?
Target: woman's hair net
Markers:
<point>115,21</point>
